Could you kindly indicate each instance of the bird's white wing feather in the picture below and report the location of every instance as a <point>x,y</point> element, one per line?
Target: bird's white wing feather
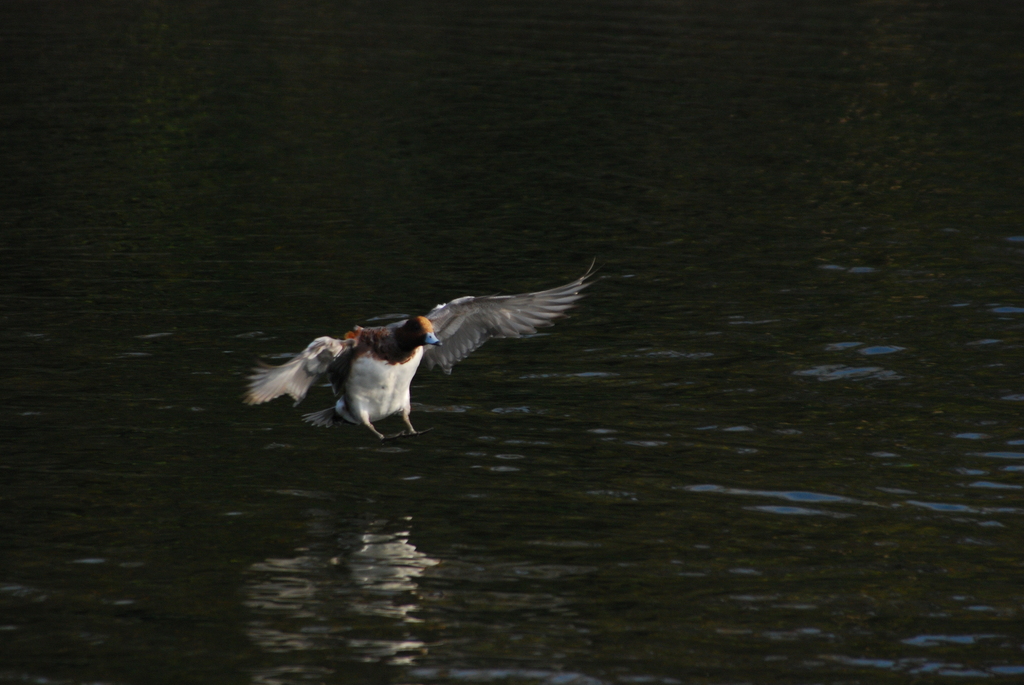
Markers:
<point>295,377</point>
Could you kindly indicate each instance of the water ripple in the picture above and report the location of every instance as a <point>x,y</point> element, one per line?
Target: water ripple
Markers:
<point>835,347</point>
<point>881,349</point>
<point>835,372</point>
<point>791,495</point>
<point>938,640</point>
<point>918,666</point>
<point>798,511</point>
<point>478,675</point>
<point>994,486</point>
<point>941,506</point>
<point>963,508</point>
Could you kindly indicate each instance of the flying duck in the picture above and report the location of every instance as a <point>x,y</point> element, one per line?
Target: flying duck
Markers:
<point>370,369</point>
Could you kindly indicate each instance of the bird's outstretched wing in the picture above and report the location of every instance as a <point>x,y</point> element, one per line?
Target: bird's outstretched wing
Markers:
<point>466,323</point>
<point>323,355</point>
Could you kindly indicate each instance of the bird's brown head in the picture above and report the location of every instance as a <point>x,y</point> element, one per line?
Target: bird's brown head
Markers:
<point>417,331</point>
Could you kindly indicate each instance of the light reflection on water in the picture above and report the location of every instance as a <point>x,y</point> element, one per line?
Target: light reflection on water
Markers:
<point>387,564</point>
<point>298,602</point>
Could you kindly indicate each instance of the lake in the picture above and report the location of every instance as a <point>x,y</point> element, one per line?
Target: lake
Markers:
<point>780,441</point>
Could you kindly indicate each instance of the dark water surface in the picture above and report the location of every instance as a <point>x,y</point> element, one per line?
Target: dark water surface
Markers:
<point>780,442</point>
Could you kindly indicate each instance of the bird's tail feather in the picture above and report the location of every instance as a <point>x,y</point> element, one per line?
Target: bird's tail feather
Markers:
<point>326,418</point>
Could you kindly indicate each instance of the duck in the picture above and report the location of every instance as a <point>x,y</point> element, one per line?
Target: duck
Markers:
<point>370,369</point>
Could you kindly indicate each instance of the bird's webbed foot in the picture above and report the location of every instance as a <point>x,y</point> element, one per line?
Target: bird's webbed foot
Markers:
<point>404,434</point>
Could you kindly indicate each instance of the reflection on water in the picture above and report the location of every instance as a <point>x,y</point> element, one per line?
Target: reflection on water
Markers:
<point>386,565</point>
<point>303,603</point>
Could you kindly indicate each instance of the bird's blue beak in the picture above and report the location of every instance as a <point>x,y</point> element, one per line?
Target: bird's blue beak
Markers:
<point>431,339</point>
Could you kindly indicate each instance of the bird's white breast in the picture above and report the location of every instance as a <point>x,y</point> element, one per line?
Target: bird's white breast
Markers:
<point>377,388</point>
